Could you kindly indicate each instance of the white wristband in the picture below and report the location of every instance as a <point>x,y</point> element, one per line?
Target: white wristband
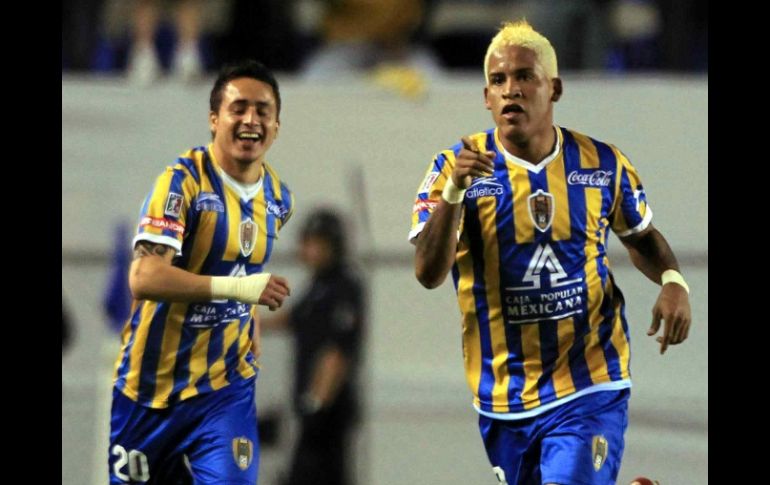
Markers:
<point>674,276</point>
<point>452,193</point>
<point>246,289</point>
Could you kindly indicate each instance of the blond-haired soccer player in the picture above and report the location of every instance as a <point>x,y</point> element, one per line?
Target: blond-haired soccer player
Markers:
<point>520,214</point>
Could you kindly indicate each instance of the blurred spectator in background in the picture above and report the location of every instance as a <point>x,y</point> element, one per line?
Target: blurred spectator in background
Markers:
<point>144,65</point>
<point>327,326</point>
<point>377,37</point>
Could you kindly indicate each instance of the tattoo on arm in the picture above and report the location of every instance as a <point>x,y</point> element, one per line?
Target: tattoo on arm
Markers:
<point>146,248</point>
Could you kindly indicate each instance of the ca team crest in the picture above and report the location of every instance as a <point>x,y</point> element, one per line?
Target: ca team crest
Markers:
<point>243,452</point>
<point>541,209</point>
<point>599,451</point>
<point>248,236</point>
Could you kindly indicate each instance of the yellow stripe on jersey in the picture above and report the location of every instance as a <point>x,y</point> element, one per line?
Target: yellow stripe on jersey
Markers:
<point>497,337</point>
<point>561,228</point>
<point>589,157</point>
<point>562,376</point>
<point>172,333</point>
<point>621,344</point>
<point>533,365</point>
<point>245,369</point>
<point>137,350</point>
<point>525,226</point>
<point>258,255</point>
<point>198,362</point>
<point>471,337</point>
<point>217,374</point>
<point>233,207</point>
<point>594,354</point>
<point>204,235</point>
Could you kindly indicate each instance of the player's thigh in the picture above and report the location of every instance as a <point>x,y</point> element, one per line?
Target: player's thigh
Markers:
<point>585,444</point>
<point>225,448</point>
<point>142,443</point>
<point>512,450</point>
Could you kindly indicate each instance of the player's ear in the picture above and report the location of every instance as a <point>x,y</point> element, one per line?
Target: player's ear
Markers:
<point>558,89</point>
<point>213,121</point>
<point>486,98</point>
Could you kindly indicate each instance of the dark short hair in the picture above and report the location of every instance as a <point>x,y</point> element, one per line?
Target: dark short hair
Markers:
<point>327,225</point>
<point>245,68</point>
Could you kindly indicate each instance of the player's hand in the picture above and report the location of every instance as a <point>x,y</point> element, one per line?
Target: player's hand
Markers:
<point>673,307</point>
<point>275,292</point>
<point>471,163</point>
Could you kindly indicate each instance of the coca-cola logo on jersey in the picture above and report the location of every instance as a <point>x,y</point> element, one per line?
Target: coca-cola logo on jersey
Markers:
<point>597,178</point>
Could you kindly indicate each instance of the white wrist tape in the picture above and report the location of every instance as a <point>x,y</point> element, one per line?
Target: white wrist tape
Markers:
<point>246,289</point>
<point>674,276</point>
<point>452,193</point>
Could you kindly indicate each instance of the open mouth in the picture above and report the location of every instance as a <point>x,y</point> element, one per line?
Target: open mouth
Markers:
<point>512,108</point>
<point>249,136</point>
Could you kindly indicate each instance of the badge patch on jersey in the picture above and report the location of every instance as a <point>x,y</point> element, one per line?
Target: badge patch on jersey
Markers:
<point>599,451</point>
<point>541,209</point>
<point>248,236</point>
<point>173,204</point>
<point>243,452</point>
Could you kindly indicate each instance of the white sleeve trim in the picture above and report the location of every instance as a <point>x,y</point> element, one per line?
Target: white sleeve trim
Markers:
<point>415,232</point>
<point>641,226</point>
<point>158,239</point>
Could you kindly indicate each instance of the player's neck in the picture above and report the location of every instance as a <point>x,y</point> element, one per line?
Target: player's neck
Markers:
<point>244,172</point>
<point>534,149</point>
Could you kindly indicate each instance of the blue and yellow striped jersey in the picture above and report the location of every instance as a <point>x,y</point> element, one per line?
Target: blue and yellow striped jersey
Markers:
<point>173,351</point>
<point>542,320</point>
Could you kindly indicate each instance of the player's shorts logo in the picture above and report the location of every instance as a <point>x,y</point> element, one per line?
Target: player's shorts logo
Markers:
<point>243,452</point>
<point>599,450</point>
<point>248,237</point>
<point>541,209</point>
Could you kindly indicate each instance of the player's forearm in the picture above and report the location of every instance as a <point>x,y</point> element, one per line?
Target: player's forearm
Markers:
<point>151,278</point>
<point>651,254</point>
<point>437,245</point>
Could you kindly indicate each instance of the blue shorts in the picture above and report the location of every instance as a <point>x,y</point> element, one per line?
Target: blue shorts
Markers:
<point>216,431</point>
<point>577,443</point>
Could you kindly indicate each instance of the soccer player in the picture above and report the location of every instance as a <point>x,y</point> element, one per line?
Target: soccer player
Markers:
<point>520,214</point>
<point>184,382</point>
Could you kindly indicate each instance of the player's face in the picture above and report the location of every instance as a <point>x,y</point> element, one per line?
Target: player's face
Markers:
<point>519,93</point>
<point>247,122</point>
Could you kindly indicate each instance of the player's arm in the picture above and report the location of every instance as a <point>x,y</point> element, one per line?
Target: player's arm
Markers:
<point>652,255</point>
<point>152,277</point>
<point>329,374</point>
<point>436,245</point>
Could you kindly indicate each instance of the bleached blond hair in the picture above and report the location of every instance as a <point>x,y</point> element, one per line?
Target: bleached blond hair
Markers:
<point>521,34</point>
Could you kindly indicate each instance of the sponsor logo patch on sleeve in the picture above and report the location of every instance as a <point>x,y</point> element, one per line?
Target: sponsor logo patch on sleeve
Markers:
<point>421,205</point>
<point>173,226</point>
<point>173,204</point>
